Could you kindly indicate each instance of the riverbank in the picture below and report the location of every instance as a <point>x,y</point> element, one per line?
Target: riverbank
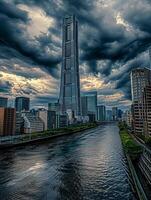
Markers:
<point>32,138</point>
<point>132,151</point>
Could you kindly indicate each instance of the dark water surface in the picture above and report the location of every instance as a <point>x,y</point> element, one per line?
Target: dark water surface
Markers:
<point>87,166</point>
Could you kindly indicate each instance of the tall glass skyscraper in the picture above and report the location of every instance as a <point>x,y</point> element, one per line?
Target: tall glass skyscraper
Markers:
<point>70,83</point>
<point>22,104</point>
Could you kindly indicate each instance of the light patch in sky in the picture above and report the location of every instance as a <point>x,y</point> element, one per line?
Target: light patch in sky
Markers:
<point>40,22</point>
<point>33,86</point>
<point>91,82</point>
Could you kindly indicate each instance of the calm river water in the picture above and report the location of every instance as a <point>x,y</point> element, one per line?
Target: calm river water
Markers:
<point>83,166</point>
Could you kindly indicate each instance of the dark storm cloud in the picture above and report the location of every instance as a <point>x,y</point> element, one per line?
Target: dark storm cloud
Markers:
<point>104,44</point>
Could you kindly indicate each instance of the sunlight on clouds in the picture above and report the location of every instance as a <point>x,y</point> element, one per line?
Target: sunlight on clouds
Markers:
<point>121,21</point>
<point>91,82</point>
<point>33,86</point>
<point>40,22</point>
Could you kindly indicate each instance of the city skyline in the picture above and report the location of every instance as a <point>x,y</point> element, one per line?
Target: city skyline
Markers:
<point>30,57</point>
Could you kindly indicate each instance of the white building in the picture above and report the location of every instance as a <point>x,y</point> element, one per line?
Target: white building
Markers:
<point>32,123</point>
<point>43,115</point>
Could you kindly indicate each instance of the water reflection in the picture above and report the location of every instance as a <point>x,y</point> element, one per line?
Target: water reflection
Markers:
<point>82,166</point>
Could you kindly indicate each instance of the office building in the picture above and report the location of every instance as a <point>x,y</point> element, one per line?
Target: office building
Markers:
<point>7,121</point>
<point>147,110</point>
<point>19,123</point>
<point>89,104</point>
<point>43,115</point>
<point>84,106</point>
<point>140,78</point>
<point>54,106</point>
<point>3,102</point>
<point>109,115</point>
<point>22,104</point>
<point>114,113</point>
<point>32,123</point>
<point>52,120</point>
<point>101,113</point>
<point>70,83</point>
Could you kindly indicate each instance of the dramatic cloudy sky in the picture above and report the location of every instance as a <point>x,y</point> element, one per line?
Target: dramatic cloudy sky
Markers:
<point>114,37</point>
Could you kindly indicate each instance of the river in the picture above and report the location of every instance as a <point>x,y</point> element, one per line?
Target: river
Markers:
<point>83,166</point>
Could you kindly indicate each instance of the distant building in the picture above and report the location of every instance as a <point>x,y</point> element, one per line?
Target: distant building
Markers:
<point>140,78</point>
<point>19,123</point>
<point>43,115</point>
<point>54,107</point>
<point>109,115</point>
<point>89,104</point>
<point>52,120</point>
<point>22,104</point>
<point>119,114</point>
<point>147,110</point>
<point>3,102</point>
<point>32,123</point>
<point>101,113</point>
<point>84,106</point>
<point>70,82</point>
<point>127,118</point>
<point>7,121</point>
<point>114,113</point>
<point>63,121</point>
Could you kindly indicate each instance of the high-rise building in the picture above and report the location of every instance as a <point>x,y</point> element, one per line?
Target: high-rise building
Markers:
<point>22,104</point>
<point>7,121</point>
<point>84,106</point>
<point>32,123</point>
<point>89,104</point>
<point>43,115</point>
<point>3,102</point>
<point>147,110</point>
<point>109,115</point>
<point>140,78</point>
<point>70,83</point>
<point>101,113</point>
<point>114,113</point>
<point>54,107</point>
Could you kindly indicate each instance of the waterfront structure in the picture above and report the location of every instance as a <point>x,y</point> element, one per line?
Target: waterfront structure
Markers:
<point>70,82</point>
<point>22,104</point>
<point>3,102</point>
<point>140,78</point>
<point>114,113</point>
<point>43,115</point>
<point>54,106</point>
<point>127,118</point>
<point>84,106</point>
<point>147,110</point>
<point>52,120</point>
<point>19,123</point>
<point>89,104</point>
<point>101,113</point>
<point>109,115</point>
<point>7,121</point>
<point>32,123</point>
<point>145,164</point>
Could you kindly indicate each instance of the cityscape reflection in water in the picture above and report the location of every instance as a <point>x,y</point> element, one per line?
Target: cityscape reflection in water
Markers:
<point>89,165</point>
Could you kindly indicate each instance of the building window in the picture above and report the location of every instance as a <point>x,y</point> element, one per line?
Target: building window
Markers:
<point>67,78</point>
<point>68,50</point>
<point>68,63</point>
<point>68,33</point>
<point>68,91</point>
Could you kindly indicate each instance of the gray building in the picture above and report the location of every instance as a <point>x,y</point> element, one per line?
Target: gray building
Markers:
<point>3,102</point>
<point>101,113</point>
<point>114,113</point>
<point>140,78</point>
<point>70,84</point>
<point>22,104</point>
